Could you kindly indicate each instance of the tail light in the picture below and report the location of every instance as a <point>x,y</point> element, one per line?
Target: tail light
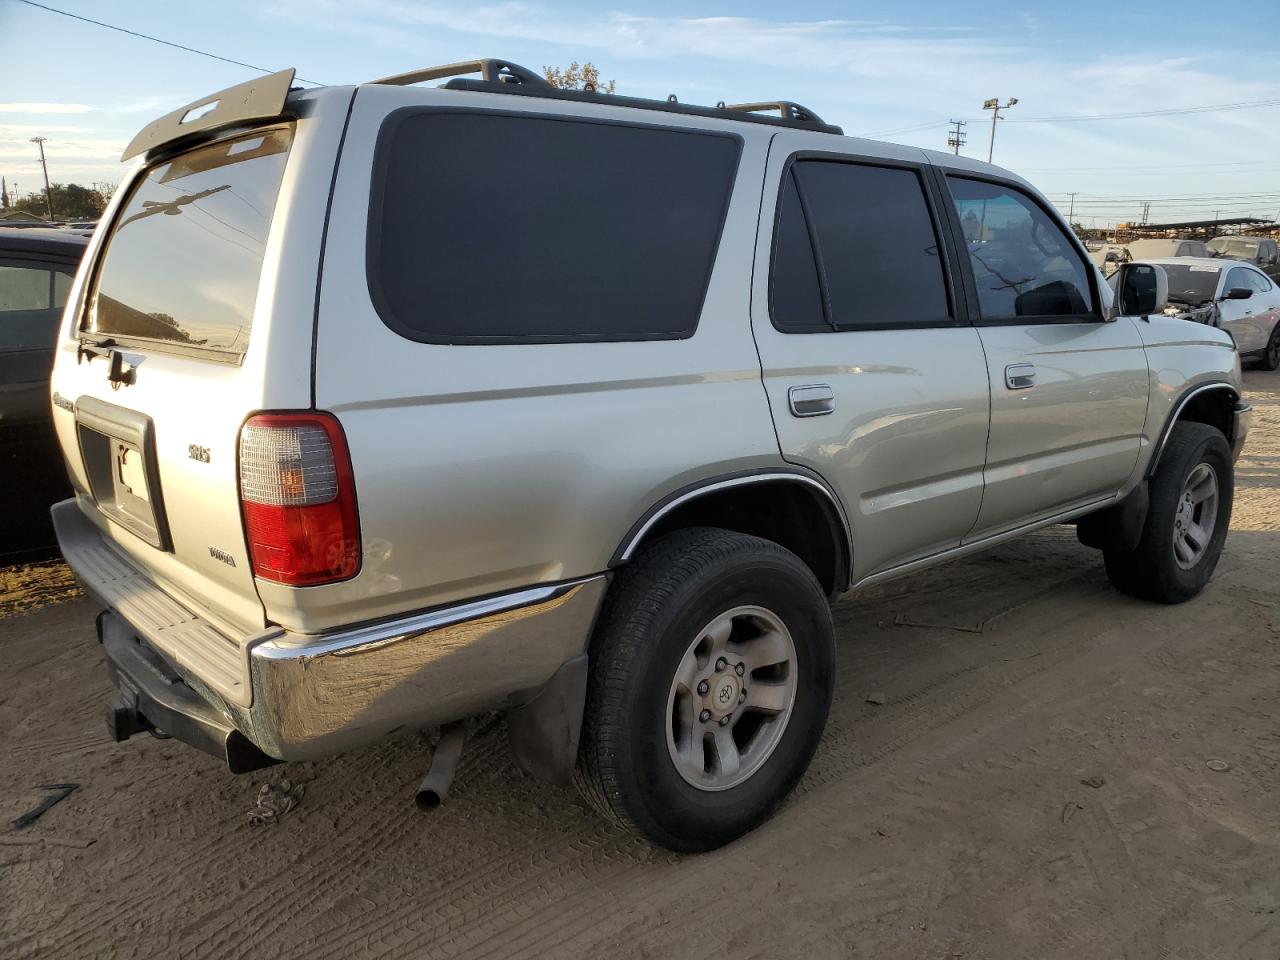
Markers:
<point>299,499</point>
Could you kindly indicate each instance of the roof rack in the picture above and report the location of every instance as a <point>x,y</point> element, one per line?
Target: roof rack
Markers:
<point>787,109</point>
<point>503,76</point>
<point>492,71</point>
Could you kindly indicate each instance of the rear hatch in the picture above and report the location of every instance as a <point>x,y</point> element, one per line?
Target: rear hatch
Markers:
<point>168,356</point>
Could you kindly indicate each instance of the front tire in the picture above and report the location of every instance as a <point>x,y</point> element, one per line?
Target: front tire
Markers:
<point>1187,520</point>
<point>711,677</point>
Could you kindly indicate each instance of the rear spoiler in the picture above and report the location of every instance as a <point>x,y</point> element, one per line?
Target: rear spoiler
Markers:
<point>259,99</point>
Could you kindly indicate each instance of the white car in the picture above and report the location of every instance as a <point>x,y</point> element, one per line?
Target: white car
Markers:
<point>1231,294</point>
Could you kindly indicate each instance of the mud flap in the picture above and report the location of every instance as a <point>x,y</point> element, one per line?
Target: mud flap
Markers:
<point>544,732</point>
<point>1119,526</point>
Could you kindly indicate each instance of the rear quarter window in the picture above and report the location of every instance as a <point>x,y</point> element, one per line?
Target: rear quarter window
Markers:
<point>499,228</point>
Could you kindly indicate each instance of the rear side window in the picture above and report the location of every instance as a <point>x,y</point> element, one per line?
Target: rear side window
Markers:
<point>1024,265</point>
<point>495,228</point>
<point>31,300</point>
<point>185,255</point>
<point>855,249</point>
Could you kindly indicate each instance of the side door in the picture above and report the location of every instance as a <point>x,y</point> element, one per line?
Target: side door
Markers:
<point>874,376</point>
<point>1068,390</point>
<point>1243,319</point>
<point>1266,309</point>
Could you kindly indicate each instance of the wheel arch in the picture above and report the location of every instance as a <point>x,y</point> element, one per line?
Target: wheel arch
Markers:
<point>789,506</point>
<point>1208,403</point>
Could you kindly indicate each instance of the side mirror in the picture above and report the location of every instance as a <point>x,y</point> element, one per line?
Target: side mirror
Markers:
<point>1238,293</point>
<point>1141,290</point>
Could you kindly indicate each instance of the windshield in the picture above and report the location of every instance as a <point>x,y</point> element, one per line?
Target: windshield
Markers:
<point>183,262</point>
<point>1191,285</point>
<point>1240,248</point>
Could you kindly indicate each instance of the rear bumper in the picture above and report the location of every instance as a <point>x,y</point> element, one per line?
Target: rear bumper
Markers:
<point>313,696</point>
<point>1243,420</point>
<point>151,695</point>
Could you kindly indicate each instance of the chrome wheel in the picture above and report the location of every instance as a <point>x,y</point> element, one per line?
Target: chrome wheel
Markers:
<point>731,698</point>
<point>1196,516</point>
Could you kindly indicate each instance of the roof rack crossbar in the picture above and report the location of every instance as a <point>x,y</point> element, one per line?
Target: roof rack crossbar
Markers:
<point>786,109</point>
<point>501,71</point>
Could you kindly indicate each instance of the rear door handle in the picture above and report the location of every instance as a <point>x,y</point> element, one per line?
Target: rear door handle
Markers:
<point>811,400</point>
<point>1019,376</point>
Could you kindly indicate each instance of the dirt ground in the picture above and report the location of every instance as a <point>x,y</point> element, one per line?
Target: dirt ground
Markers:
<point>950,822</point>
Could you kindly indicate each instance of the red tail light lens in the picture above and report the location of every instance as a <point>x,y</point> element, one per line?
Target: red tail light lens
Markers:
<point>299,499</point>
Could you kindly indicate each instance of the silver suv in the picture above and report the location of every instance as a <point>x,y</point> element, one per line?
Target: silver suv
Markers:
<point>386,406</point>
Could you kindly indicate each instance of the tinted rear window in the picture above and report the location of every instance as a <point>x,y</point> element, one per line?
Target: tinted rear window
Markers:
<point>31,299</point>
<point>876,249</point>
<point>497,228</point>
<point>183,262</point>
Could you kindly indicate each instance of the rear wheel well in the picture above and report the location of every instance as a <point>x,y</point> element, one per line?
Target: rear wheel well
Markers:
<point>791,514</point>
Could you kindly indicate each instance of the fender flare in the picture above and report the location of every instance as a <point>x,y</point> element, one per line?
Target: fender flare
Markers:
<point>677,498</point>
<point>1178,407</point>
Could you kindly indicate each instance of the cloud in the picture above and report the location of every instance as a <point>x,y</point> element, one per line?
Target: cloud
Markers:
<point>29,107</point>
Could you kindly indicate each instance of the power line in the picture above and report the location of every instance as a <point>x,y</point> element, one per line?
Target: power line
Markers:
<point>1146,166</point>
<point>1079,118</point>
<point>167,43</point>
<point>1138,114</point>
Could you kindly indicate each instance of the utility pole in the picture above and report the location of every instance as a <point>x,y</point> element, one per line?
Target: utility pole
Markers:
<point>994,106</point>
<point>48,193</point>
<point>956,138</point>
<point>1146,210</point>
<point>1072,211</point>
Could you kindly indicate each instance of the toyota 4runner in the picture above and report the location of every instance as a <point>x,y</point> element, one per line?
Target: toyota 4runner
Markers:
<point>385,406</point>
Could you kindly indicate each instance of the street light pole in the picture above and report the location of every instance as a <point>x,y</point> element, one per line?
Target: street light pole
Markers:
<point>48,193</point>
<point>994,106</point>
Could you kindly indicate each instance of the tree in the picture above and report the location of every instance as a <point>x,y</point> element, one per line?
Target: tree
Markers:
<point>575,77</point>
<point>71,201</point>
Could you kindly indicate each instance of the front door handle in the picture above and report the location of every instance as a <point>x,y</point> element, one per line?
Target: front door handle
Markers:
<point>1019,376</point>
<point>811,400</point>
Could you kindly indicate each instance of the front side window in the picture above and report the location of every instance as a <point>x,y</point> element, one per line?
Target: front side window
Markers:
<point>855,248</point>
<point>1237,279</point>
<point>501,228</point>
<point>1259,282</point>
<point>31,300</point>
<point>1023,262</point>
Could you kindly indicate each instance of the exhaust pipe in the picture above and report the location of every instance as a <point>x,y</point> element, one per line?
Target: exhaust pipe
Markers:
<point>444,764</point>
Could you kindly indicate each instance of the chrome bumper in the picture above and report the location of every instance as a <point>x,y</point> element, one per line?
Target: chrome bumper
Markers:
<point>313,696</point>
<point>1243,420</point>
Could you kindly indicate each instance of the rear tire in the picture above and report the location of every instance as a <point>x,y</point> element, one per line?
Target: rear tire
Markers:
<point>1187,520</point>
<point>1270,359</point>
<point>678,621</point>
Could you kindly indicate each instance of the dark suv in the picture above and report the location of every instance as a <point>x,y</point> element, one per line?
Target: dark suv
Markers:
<point>36,268</point>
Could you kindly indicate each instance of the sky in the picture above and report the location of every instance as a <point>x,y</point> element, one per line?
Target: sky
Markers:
<point>890,71</point>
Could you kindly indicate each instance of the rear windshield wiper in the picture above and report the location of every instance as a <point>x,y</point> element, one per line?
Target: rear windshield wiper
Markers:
<point>91,347</point>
